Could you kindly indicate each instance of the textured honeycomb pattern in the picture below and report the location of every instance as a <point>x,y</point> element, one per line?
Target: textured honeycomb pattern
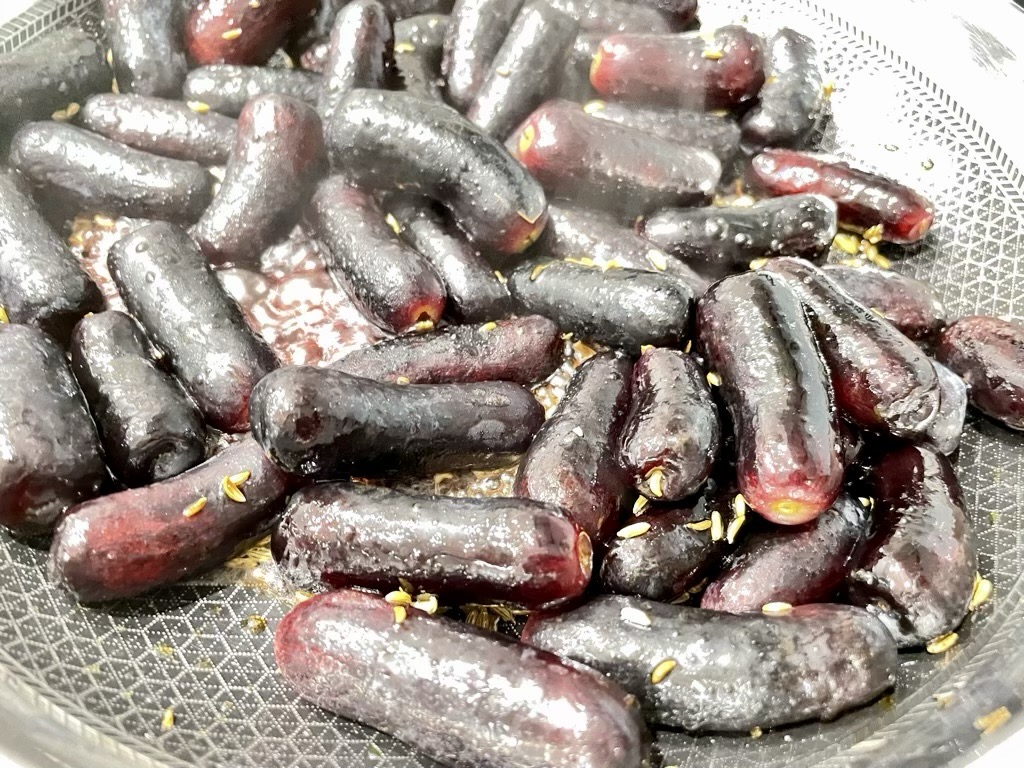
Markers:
<point>196,647</point>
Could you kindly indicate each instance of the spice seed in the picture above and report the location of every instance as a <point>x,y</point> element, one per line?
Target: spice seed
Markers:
<point>3,316</point>
<point>395,225</point>
<point>231,34</point>
<point>700,525</point>
<point>658,260</point>
<point>943,643</point>
<point>593,106</point>
<point>714,379</point>
<point>426,603</point>
<point>537,270</point>
<point>404,47</point>
<point>756,732</point>
<point>873,234</point>
<point>398,597</point>
<point>583,350</point>
<point>739,505</point>
<point>423,326</point>
<point>241,477</point>
<point>662,670</point>
<point>776,609</point>
<point>847,243</point>
<point>487,327</point>
<point>400,613</point>
<point>734,529</point>
<point>982,593</point>
<point>167,721</point>
<point>402,380</point>
<point>200,107</point>
<point>638,506</point>
<point>634,530</point>
<point>717,526</point>
<point>195,507</point>
<point>655,481</point>
<point>231,490</point>
<point>994,720</point>
<point>635,616</point>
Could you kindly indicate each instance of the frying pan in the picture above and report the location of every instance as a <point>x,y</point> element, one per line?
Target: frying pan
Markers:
<point>92,687</point>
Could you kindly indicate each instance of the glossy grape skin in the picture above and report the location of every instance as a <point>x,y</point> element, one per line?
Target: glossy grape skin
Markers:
<point>210,35</point>
<point>525,69</point>
<point>802,226</point>
<point>170,289</point>
<point>988,353</point>
<point>798,565</point>
<point>150,429</point>
<point>360,54</point>
<point>392,141</point>
<point>945,431</point>
<point>608,16</point>
<point>523,350</point>
<point>775,384</point>
<point>326,424</point>
<point>605,165</point>
<point>277,158</point>
<point>673,70</point>
<point>864,199</point>
<point>574,232</point>
<point>573,460</point>
<point>623,308</point>
<point>227,88</point>
<point>464,697</point>
<point>475,292</point>
<point>469,550</point>
<point>918,568</point>
<point>670,559</point>
<point>77,170</point>
<point>66,65</point>
<point>392,282</point>
<point>792,100</point>
<point>732,673</point>
<point>41,282</point>
<point>909,304</point>
<point>882,380</point>
<point>718,133</point>
<point>146,46</point>
<point>161,126</point>
<point>137,540</point>
<point>419,45</point>
<point>51,453</point>
<point>475,34</point>
<point>672,426</point>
